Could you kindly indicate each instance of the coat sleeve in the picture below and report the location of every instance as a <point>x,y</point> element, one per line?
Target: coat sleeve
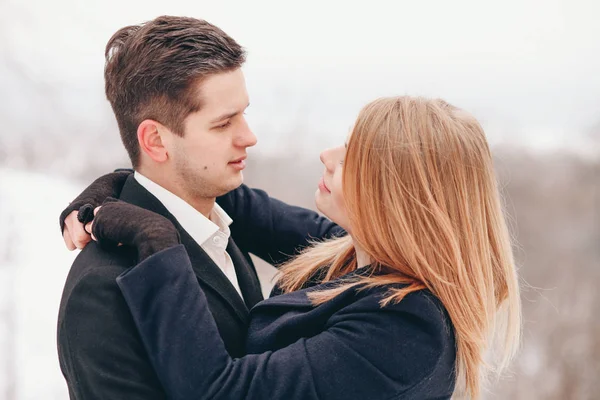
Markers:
<point>270,228</point>
<point>369,353</point>
<point>100,343</point>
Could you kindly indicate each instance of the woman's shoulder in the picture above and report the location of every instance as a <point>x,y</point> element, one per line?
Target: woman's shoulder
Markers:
<point>411,341</point>
<point>418,305</point>
<point>421,304</point>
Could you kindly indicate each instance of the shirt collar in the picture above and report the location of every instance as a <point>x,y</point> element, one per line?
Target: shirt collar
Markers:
<point>197,225</point>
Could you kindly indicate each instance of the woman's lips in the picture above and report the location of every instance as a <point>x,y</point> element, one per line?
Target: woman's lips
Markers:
<point>323,187</point>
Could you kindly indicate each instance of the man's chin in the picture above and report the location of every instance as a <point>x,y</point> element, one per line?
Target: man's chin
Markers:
<point>238,180</point>
<point>232,183</point>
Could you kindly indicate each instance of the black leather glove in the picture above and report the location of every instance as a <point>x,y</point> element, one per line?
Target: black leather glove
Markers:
<point>148,232</point>
<point>106,186</point>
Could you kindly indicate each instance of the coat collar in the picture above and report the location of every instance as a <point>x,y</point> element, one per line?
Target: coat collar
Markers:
<point>204,267</point>
<point>300,299</point>
<point>195,223</point>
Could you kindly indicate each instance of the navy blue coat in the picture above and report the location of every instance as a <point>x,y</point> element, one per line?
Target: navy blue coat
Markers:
<point>346,348</point>
<point>100,352</point>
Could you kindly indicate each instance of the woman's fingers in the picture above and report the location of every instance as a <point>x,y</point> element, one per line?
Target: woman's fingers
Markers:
<point>89,228</point>
<point>74,233</point>
<point>67,238</point>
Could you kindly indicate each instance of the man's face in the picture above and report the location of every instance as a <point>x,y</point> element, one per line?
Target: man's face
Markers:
<point>208,160</point>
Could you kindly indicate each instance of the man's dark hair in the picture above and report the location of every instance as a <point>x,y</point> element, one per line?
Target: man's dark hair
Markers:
<point>153,70</point>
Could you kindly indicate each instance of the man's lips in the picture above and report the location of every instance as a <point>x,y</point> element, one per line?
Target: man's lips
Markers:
<point>238,160</point>
<point>239,163</point>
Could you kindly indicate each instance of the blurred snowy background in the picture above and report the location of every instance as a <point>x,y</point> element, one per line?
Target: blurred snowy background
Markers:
<point>527,69</point>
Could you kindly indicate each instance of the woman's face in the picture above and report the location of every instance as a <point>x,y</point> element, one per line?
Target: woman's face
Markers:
<point>329,197</point>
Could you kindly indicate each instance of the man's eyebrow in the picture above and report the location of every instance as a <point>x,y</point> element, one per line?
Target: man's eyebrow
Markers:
<point>228,115</point>
<point>346,144</point>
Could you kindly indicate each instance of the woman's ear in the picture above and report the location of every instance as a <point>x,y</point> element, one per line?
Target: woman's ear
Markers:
<point>150,137</point>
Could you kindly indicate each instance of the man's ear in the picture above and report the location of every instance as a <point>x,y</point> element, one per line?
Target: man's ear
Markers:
<point>150,137</point>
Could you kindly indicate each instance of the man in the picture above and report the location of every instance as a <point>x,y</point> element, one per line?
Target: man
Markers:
<point>179,95</point>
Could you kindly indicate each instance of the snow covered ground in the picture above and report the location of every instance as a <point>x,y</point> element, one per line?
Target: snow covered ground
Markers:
<point>33,266</point>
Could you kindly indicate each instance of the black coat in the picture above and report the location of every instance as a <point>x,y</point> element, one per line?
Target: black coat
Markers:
<point>100,351</point>
<point>347,348</point>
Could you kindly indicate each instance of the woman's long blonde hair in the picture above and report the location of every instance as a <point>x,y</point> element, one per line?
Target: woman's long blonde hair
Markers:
<point>423,203</point>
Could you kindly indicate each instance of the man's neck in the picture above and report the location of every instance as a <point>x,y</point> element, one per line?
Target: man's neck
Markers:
<point>201,204</point>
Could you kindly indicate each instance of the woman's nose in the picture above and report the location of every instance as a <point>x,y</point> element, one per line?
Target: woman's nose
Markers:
<point>326,159</point>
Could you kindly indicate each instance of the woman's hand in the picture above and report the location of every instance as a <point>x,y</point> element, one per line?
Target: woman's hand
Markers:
<point>118,223</point>
<point>108,185</point>
<point>74,233</point>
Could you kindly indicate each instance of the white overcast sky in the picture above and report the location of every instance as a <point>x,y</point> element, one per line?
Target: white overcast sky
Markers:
<point>529,69</point>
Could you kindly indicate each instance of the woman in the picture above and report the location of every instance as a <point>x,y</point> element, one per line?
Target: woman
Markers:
<point>405,306</point>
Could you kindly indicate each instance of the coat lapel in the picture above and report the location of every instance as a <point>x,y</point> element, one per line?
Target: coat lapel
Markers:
<point>204,267</point>
<point>209,273</point>
<point>300,299</point>
<point>295,300</point>
<point>246,275</point>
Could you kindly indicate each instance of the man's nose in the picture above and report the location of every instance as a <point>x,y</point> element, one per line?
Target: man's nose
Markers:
<point>245,137</point>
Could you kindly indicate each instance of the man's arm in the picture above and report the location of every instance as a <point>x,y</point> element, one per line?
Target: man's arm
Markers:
<point>99,344</point>
<point>271,229</point>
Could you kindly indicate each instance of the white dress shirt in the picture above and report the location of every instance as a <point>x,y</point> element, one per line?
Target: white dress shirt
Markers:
<point>211,234</point>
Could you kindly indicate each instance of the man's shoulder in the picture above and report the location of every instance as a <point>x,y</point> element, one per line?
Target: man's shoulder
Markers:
<point>100,261</point>
<point>99,349</point>
<point>95,269</point>
<point>92,304</point>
